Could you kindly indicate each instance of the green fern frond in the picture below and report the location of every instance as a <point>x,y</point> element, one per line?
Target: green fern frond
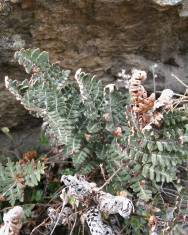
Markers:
<point>14,177</point>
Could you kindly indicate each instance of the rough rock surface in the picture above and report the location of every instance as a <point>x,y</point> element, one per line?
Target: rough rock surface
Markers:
<point>21,141</point>
<point>101,36</point>
<point>167,2</point>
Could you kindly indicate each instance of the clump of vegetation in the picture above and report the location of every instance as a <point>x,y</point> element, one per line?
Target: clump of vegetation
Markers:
<point>131,142</point>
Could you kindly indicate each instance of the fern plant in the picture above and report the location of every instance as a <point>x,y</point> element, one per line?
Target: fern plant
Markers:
<point>93,125</point>
<point>14,177</point>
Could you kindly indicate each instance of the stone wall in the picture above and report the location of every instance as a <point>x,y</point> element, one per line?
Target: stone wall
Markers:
<point>100,36</point>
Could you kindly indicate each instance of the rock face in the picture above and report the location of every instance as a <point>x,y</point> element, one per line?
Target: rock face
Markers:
<point>100,36</point>
<point>167,2</point>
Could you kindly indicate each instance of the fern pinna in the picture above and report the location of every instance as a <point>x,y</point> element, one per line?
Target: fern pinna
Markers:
<point>96,125</point>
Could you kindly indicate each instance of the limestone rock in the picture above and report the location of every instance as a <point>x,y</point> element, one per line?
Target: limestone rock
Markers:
<point>167,2</point>
<point>184,10</point>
